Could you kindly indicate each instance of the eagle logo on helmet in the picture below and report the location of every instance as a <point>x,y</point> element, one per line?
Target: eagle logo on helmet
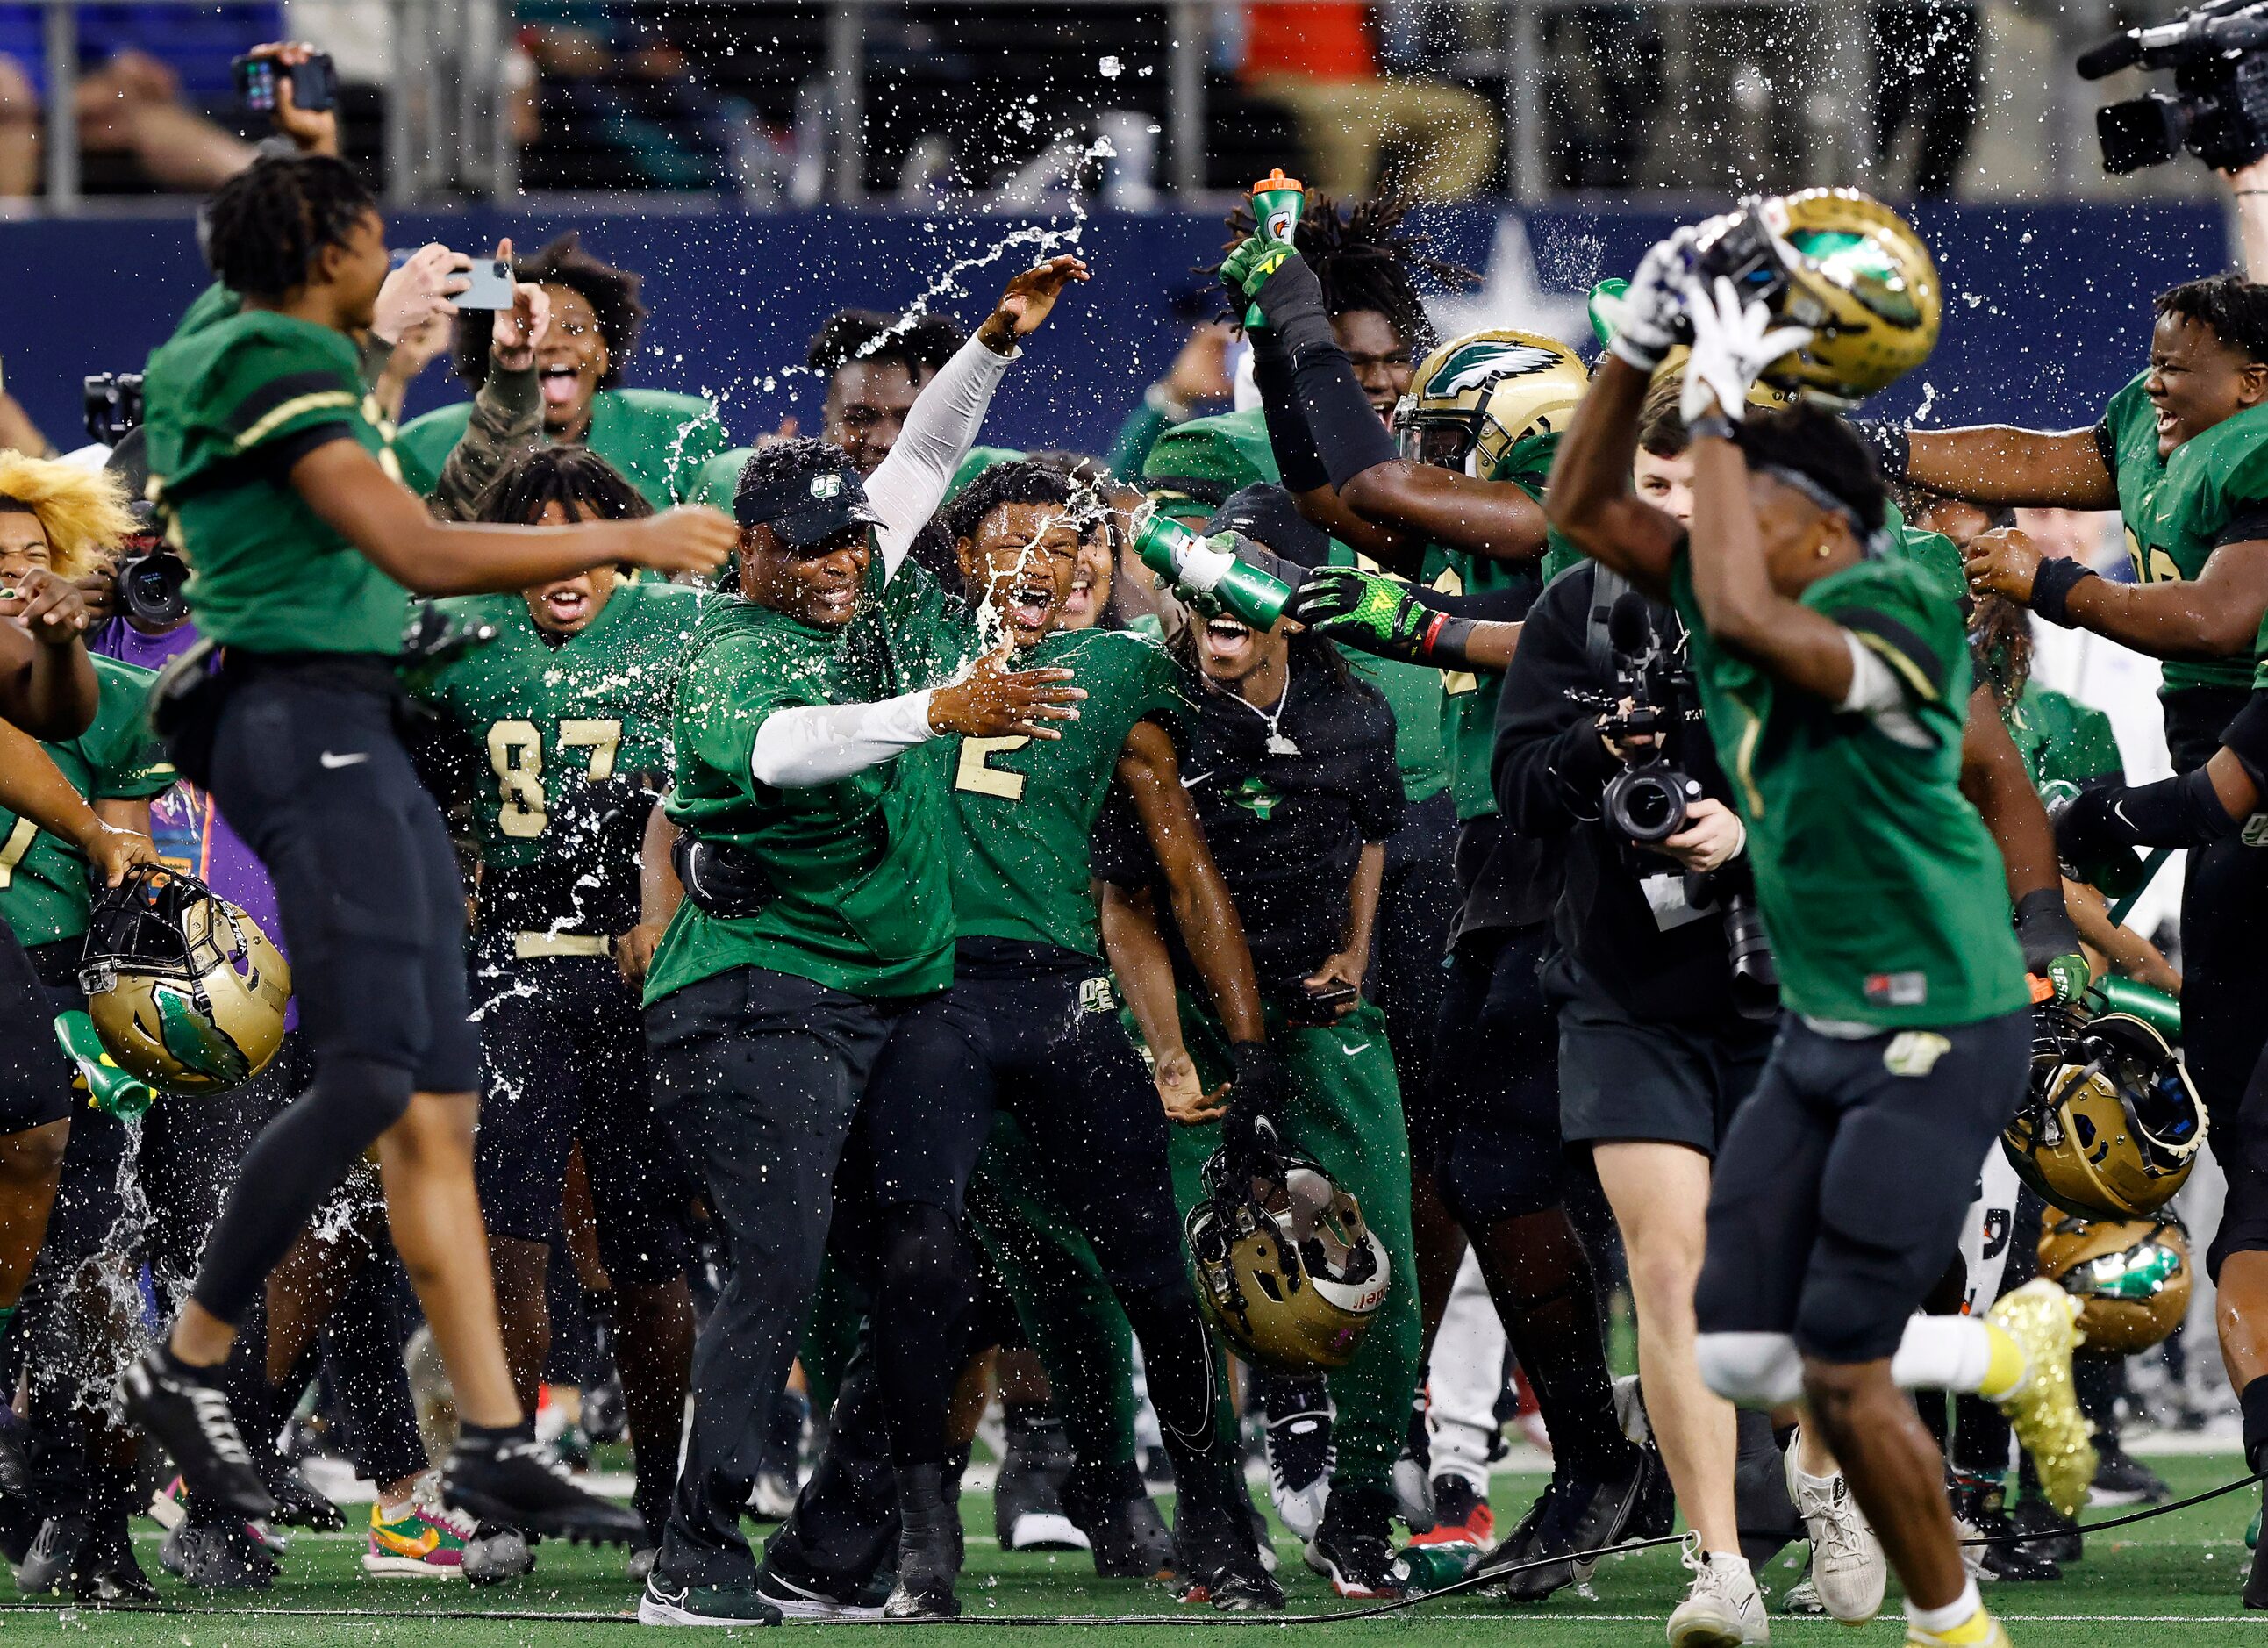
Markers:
<point>1477,397</point>
<point>184,989</point>
<point>2132,1277</point>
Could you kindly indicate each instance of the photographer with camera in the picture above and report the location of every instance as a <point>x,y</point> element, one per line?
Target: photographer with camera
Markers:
<point>1664,988</point>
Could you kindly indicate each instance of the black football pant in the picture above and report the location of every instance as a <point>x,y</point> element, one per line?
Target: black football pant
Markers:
<point>759,1075</point>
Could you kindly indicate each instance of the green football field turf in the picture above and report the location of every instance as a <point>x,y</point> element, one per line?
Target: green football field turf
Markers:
<point>2173,1581</point>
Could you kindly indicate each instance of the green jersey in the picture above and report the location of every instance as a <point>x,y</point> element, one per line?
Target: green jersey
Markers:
<point>2060,738</point>
<point>864,891</point>
<point>658,440</point>
<point>548,715</point>
<point>44,891</point>
<point>2212,490</point>
<point>230,405</point>
<point>1885,898</point>
<point>1025,808</point>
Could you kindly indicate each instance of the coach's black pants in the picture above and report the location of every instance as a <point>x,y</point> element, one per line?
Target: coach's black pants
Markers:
<point>760,1075</point>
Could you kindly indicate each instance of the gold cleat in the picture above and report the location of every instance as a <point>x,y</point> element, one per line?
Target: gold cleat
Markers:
<point>2042,1407</point>
<point>1980,1630</point>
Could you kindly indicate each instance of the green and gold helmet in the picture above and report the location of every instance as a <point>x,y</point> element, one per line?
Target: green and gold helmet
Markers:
<point>1843,265</point>
<point>2131,1276</point>
<point>1477,397</point>
<point>184,988</point>
<point>2111,1126</point>
<point>1287,1271</point>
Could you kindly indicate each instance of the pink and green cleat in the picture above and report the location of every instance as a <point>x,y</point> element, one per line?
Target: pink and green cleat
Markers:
<point>427,1543</point>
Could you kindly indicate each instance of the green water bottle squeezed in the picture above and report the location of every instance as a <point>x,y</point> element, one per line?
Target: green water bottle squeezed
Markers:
<point>1208,570</point>
<point>1277,202</point>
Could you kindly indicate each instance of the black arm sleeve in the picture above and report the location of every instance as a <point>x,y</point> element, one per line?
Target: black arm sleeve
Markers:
<point>1481,606</point>
<point>1347,433</point>
<point>1300,466</point>
<point>1549,765</point>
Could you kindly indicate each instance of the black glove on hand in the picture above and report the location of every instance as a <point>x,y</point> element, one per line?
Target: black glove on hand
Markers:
<point>1259,1087</point>
<point>2088,828</point>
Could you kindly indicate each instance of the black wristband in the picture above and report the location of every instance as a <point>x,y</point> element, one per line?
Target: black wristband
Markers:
<point>1892,445</point>
<point>2051,588</point>
<point>2044,927</point>
<point>1444,643</point>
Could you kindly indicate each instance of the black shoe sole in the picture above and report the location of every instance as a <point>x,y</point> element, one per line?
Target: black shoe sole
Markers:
<point>1537,1584</point>
<point>598,1523</point>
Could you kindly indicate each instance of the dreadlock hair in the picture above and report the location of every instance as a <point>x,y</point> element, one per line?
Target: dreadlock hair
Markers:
<point>264,228</point>
<point>612,293</point>
<point>921,344</point>
<point>2000,640</point>
<point>1660,426</point>
<point>1820,447</point>
<point>1367,258</point>
<point>2235,309</point>
<point>588,486</point>
<point>1019,481</point>
<point>82,513</point>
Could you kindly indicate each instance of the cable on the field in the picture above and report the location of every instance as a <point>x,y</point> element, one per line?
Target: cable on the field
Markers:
<point>1481,1576</point>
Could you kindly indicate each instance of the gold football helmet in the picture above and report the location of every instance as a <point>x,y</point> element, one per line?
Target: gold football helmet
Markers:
<point>184,988</point>
<point>1843,265</point>
<point>1287,1271</point>
<point>2111,1126</point>
<point>1477,397</point>
<point>2131,1276</point>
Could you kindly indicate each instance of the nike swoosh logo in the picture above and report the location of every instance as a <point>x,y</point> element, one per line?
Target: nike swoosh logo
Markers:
<point>354,760</point>
<point>2119,811</point>
<point>1191,780</point>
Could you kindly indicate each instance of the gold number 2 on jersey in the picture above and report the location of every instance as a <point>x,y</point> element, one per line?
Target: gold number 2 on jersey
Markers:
<point>973,773</point>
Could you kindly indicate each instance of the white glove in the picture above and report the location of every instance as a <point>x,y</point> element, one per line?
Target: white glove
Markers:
<point>1646,316</point>
<point>1731,348</point>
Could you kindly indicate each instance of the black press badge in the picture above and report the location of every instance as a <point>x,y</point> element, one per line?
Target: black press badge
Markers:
<point>807,509</point>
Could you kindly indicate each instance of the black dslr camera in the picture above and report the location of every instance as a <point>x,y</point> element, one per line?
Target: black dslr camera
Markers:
<point>2218,110</point>
<point>1650,800</point>
<point>113,405</point>
<point>150,578</point>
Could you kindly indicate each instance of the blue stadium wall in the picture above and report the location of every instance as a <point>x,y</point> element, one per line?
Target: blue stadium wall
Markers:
<point>2045,311</point>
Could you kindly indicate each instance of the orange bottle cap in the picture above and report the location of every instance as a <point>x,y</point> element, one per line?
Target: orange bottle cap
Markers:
<point>1277,180</point>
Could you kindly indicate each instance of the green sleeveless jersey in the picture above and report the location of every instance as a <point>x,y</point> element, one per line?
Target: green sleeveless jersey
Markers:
<point>1884,896</point>
<point>547,717</point>
<point>2212,490</point>
<point>229,403</point>
<point>44,889</point>
<point>1023,810</point>
<point>859,867</point>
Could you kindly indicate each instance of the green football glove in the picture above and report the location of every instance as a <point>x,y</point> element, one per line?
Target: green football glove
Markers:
<point>109,1089</point>
<point>1364,610</point>
<point>1246,269</point>
<point>2066,975</point>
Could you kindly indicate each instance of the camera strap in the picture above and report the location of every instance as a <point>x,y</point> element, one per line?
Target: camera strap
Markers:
<point>1607,588</point>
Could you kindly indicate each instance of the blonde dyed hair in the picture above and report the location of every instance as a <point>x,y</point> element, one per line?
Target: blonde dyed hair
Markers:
<point>83,511</point>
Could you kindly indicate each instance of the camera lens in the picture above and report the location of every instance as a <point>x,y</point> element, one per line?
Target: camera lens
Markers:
<point>1755,974</point>
<point>1646,805</point>
<point>151,588</point>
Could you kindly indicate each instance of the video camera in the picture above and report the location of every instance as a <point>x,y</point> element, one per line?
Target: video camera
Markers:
<point>2218,110</point>
<point>1651,799</point>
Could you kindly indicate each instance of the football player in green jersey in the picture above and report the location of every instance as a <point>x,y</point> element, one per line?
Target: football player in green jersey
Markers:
<point>284,495</point>
<point>567,713</point>
<point>1031,1025</point>
<point>818,909</point>
<point>657,438</point>
<point>1833,674</point>
<point>875,366</point>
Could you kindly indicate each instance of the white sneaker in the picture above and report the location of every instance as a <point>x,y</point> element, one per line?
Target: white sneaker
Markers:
<point>1724,1608</point>
<point>1847,1567</point>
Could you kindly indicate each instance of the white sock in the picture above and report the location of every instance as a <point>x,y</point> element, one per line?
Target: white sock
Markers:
<point>1821,1484</point>
<point>1732,1562</point>
<point>1942,1353</point>
<point>394,1510</point>
<point>1937,1622</point>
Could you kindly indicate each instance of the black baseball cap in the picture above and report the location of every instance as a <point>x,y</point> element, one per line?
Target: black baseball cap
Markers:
<point>808,509</point>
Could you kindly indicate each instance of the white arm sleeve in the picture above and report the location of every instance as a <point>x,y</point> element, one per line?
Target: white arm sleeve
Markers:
<point>909,484</point>
<point>819,744</point>
<point>1878,694</point>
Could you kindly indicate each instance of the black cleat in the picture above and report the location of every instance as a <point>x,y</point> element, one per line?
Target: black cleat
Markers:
<point>1027,1505</point>
<point>1217,1558</point>
<point>667,1603</point>
<point>505,1480</point>
<point>1980,1511</point>
<point>1301,1451</point>
<point>929,1548</point>
<point>107,1575</point>
<point>1585,1514</point>
<point>218,1557</point>
<point>1354,1548</point>
<point>2047,1531</point>
<point>1114,1510</point>
<point>190,1419</point>
<point>299,1505</point>
<point>53,1552</point>
<point>1413,1472</point>
<point>2120,1479</point>
<point>15,1460</point>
